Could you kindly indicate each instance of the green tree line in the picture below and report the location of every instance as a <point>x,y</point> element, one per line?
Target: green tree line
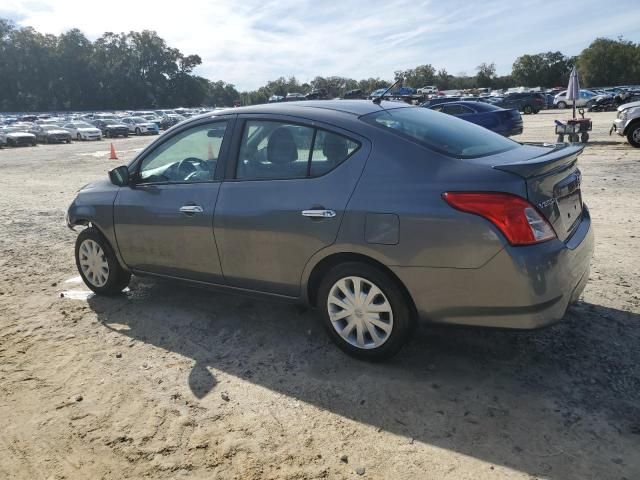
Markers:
<point>43,72</point>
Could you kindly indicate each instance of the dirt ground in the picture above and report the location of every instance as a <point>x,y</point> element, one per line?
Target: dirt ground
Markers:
<point>168,381</point>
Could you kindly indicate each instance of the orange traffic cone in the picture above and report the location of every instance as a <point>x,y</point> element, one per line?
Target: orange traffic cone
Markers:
<point>113,155</point>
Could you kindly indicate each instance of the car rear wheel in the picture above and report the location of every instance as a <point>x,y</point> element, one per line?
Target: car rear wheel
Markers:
<point>78,137</point>
<point>633,135</point>
<point>364,311</point>
<point>561,105</point>
<point>98,265</point>
<point>138,131</point>
<point>527,109</point>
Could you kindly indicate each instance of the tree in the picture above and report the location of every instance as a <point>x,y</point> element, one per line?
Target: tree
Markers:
<point>548,69</point>
<point>486,74</point>
<point>609,62</point>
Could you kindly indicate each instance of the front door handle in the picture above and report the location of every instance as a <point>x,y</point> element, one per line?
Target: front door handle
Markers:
<point>191,209</point>
<point>319,213</point>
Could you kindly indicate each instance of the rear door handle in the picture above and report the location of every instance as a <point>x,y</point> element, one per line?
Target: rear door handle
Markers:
<point>319,213</point>
<point>191,209</point>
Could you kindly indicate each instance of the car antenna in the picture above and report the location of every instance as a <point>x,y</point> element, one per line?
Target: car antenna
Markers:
<point>377,100</point>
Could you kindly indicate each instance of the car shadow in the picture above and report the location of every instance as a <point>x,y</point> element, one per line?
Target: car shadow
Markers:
<point>463,389</point>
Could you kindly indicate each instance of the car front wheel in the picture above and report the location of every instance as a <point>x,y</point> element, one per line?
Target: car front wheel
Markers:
<point>98,265</point>
<point>561,105</point>
<point>528,110</point>
<point>633,135</point>
<point>364,311</point>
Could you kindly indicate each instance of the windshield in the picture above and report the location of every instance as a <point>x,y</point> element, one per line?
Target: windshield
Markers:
<point>440,132</point>
<point>138,120</point>
<point>81,125</point>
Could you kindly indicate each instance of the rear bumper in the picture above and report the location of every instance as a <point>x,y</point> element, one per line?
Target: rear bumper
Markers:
<point>520,287</point>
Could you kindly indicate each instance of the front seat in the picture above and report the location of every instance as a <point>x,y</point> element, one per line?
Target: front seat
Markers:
<point>282,154</point>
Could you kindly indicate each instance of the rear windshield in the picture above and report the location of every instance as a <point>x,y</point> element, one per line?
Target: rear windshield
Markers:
<point>441,132</point>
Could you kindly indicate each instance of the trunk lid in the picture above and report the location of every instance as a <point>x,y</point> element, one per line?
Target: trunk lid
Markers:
<point>553,183</point>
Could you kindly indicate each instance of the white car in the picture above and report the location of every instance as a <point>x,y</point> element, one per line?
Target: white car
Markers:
<point>587,98</point>
<point>628,123</point>
<point>16,136</point>
<point>429,89</point>
<point>83,131</point>
<point>141,126</point>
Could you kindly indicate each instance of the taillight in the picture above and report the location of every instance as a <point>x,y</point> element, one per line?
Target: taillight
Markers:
<point>518,220</point>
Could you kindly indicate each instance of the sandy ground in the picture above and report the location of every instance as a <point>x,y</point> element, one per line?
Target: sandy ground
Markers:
<point>168,381</point>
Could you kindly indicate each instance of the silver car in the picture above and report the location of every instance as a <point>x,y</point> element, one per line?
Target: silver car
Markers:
<point>378,215</point>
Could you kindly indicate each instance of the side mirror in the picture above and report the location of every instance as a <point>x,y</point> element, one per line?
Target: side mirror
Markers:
<point>120,176</point>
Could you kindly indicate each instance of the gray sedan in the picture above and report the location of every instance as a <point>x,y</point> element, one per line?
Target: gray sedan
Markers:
<point>378,215</point>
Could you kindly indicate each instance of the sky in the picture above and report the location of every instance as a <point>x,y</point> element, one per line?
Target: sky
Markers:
<point>250,42</point>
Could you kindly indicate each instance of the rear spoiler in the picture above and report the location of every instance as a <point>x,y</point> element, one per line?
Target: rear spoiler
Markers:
<point>562,156</point>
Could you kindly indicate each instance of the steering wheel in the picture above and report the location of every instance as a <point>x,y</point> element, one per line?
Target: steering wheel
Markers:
<point>187,167</point>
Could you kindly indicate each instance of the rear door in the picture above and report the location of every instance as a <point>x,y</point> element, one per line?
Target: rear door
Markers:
<point>164,220</point>
<point>283,199</point>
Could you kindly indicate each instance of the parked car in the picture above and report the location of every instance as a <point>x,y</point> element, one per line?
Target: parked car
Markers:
<point>111,127</point>
<point>170,120</point>
<point>83,131</point>
<point>293,97</point>
<point>275,99</point>
<point>316,94</point>
<point>356,93</point>
<point>141,126</point>
<point>627,123</point>
<point>587,98</point>
<point>375,214</point>
<point>438,100</point>
<point>153,118</point>
<point>51,134</point>
<point>428,90</point>
<point>526,102</point>
<point>496,119</point>
<point>18,136</point>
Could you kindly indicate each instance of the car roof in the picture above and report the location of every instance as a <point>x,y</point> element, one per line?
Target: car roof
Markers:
<point>351,107</point>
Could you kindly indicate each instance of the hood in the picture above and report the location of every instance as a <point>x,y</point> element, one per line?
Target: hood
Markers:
<point>625,106</point>
<point>116,125</point>
<point>19,134</point>
<point>57,132</point>
<point>88,129</point>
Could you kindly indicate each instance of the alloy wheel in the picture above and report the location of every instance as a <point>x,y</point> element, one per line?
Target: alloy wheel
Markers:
<point>93,263</point>
<point>360,312</point>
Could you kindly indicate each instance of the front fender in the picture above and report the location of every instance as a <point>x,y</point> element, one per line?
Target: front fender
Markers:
<point>94,206</point>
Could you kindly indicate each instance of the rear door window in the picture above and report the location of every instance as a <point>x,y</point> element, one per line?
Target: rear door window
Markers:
<point>444,134</point>
<point>278,150</point>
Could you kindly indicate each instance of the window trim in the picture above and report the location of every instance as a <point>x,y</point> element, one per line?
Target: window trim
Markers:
<point>218,176</point>
<point>234,157</point>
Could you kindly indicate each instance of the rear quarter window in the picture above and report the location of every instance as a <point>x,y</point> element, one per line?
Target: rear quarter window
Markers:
<point>440,132</point>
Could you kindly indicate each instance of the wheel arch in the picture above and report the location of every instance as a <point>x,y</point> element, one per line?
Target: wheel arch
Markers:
<point>632,124</point>
<point>323,266</point>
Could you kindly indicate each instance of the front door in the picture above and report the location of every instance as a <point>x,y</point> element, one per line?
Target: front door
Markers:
<point>285,200</point>
<point>164,221</point>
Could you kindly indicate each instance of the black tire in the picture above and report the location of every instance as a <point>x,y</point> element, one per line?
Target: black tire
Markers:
<point>562,105</point>
<point>126,135</point>
<point>138,131</point>
<point>560,138</point>
<point>117,277</point>
<point>106,134</point>
<point>633,135</point>
<point>527,109</point>
<point>584,138</point>
<point>78,137</point>
<point>403,318</point>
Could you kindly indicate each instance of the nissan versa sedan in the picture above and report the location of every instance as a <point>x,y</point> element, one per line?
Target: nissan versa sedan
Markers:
<point>376,214</point>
